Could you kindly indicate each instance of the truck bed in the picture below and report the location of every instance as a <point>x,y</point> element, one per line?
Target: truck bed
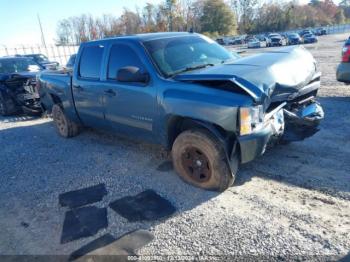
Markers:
<point>56,84</point>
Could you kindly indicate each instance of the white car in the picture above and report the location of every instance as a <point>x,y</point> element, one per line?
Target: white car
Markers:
<point>256,43</point>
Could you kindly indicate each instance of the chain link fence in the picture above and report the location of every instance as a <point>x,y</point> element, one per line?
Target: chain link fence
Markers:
<point>330,29</point>
<point>338,29</point>
<point>55,53</point>
<point>333,29</point>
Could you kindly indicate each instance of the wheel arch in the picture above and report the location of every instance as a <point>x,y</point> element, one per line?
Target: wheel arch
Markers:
<point>67,107</point>
<point>178,124</point>
<point>55,99</point>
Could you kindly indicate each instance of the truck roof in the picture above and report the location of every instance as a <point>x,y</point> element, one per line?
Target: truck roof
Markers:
<point>143,37</point>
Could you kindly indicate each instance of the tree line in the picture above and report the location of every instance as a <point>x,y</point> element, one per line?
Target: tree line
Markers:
<point>210,17</point>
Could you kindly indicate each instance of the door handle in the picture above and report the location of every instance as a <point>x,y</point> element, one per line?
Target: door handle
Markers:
<point>110,92</point>
<point>78,87</point>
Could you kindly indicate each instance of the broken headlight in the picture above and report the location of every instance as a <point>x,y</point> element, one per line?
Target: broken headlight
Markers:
<point>250,119</point>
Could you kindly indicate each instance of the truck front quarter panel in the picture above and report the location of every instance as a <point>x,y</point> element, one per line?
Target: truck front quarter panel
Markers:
<point>192,101</point>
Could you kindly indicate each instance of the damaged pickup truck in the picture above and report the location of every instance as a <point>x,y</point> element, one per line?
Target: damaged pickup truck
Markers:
<point>211,108</point>
<point>18,92</point>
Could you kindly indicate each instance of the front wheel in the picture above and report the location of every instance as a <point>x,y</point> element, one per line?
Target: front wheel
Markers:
<point>200,160</point>
<point>7,106</point>
<point>3,107</point>
<point>65,126</point>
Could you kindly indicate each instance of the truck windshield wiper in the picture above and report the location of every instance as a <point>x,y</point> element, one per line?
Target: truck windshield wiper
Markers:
<point>190,68</point>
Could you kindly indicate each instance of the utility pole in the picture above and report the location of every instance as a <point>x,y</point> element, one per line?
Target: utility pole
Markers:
<point>42,33</point>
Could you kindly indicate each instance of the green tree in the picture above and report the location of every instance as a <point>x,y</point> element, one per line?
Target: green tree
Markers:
<point>340,17</point>
<point>246,11</point>
<point>149,18</point>
<point>217,17</point>
<point>345,6</point>
<point>169,5</point>
<point>131,22</point>
<point>270,17</point>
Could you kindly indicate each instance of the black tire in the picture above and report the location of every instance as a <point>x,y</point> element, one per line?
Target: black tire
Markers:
<point>3,106</point>
<point>200,160</point>
<point>65,126</point>
<point>8,107</point>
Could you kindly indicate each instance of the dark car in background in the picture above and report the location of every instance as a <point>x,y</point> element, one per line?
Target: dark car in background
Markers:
<point>294,39</point>
<point>239,40</point>
<point>18,93</point>
<point>220,41</point>
<point>321,31</point>
<point>43,61</point>
<point>309,39</point>
<point>343,69</point>
<point>306,32</point>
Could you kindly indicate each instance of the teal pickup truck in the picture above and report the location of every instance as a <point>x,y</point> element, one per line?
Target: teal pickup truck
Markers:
<point>213,109</point>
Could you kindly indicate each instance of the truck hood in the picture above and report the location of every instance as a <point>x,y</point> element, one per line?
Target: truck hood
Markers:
<point>9,76</point>
<point>261,76</point>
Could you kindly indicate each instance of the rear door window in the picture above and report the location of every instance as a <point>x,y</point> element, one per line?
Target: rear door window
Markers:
<point>90,62</point>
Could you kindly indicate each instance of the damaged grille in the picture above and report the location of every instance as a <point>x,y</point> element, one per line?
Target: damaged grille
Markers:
<point>30,86</point>
<point>296,102</point>
<point>23,93</point>
<point>302,97</point>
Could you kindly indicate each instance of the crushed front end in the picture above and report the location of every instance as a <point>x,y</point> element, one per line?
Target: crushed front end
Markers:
<point>19,94</point>
<point>290,116</point>
<point>282,85</point>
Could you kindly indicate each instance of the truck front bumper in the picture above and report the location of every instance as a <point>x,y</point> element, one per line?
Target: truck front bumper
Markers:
<point>252,146</point>
<point>284,126</point>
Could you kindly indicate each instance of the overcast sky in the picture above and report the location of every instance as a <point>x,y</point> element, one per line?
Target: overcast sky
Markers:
<point>19,22</point>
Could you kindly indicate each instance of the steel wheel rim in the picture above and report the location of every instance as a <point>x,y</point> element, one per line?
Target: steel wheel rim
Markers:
<point>196,164</point>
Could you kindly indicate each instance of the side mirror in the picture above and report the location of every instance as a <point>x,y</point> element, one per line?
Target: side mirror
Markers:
<point>132,74</point>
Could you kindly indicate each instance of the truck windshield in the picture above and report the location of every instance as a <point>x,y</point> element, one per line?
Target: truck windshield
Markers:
<point>179,54</point>
<point>41,58</point>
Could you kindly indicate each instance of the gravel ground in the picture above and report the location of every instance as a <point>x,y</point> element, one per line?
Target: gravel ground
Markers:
<point>294,200</point>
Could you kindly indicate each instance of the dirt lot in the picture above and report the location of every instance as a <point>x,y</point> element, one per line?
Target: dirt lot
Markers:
<point>294,200</point>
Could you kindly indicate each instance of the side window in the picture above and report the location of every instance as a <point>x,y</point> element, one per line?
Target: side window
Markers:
<point>120,56</point>
<point>90,62</point>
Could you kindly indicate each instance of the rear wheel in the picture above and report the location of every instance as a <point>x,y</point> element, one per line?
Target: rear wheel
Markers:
<point>3,107</point>
<point>200,160</point>
<point>6,106</point>
<point>65,126</point>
